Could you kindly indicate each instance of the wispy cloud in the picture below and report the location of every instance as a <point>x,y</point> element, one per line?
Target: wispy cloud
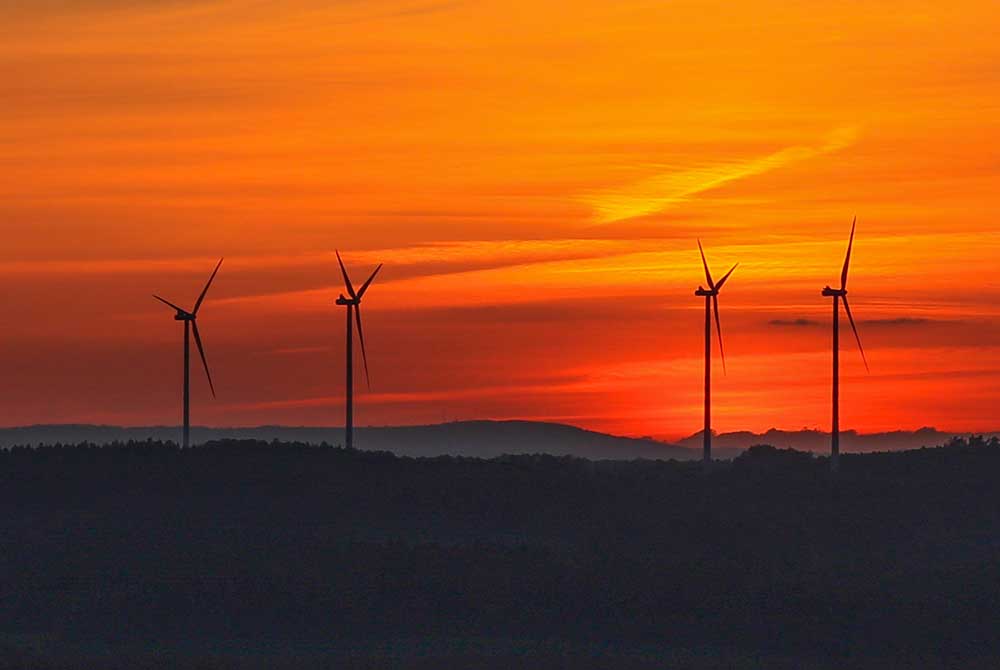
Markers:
<point>418,260</point>
<point>659,192</point>
<point>48,7</point>
<point>794,323</point>
<point>909,321</point>
<point>371,10</point>
<point>893,322</point>
<point>391,398</point>
<point>298,350</point>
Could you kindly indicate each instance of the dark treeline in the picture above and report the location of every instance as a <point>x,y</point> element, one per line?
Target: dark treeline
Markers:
<point>146,542</point>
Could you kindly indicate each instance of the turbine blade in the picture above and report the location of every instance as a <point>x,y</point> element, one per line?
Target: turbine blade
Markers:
<point>361,337</point>
<point>725,277</point>
<point>168,303</point>
<point>364,287</point>
<point>347,280</point>
<point>201,298</point>
<point>847,259</point>
<point>201,350</point>
<point>718,328</point>
<point>708,275</point>
<point>847,308</point>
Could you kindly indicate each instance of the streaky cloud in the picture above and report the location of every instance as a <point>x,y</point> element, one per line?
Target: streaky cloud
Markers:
<point>910,321</point>
<point>794,323</point>
<point>662,191</point>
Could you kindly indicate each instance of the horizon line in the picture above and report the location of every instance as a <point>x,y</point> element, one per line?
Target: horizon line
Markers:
<point>331,427</point>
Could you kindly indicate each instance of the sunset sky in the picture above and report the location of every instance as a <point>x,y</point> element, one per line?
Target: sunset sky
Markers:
<point>534,175</point>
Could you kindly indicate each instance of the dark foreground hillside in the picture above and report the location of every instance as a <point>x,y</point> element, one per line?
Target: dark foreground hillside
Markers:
<point>247,555</point>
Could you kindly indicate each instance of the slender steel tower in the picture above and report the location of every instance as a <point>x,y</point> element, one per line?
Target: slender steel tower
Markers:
<point>711,295</point>
<point>839,295</point>
<point>353,305</point>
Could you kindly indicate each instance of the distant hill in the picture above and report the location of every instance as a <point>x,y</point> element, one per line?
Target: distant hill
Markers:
<point>487,439</point>
<point>819,441</point>
<point>482,439</point>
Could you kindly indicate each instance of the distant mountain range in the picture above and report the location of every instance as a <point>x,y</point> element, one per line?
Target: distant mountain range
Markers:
<point>819,441</point>
<point>482,439</point>
<point>487,439</point>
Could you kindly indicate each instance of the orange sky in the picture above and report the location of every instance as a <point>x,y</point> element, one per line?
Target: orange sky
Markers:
<point>533,174</point>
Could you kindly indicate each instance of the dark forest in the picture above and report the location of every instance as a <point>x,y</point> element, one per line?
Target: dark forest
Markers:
<point>237,552</point>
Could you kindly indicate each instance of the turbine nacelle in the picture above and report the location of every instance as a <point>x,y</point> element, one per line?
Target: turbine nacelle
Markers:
<point>831,292</point>
<point>703,292</point>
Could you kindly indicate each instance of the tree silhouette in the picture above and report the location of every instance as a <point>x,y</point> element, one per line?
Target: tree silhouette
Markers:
<point>151,546</point>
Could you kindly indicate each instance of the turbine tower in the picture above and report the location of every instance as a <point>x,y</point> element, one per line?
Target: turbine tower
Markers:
<point>191,324</point>
<point>838,295</point>
<point>711,295</point>
<point>353,305</point>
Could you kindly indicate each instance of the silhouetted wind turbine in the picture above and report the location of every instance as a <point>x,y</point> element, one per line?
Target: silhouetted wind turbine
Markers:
<point>837,295</point>
<point>191,324</point>
<point>711,295</point>
<point>353,304</point>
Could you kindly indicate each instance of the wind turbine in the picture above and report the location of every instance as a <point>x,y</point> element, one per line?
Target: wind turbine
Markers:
<point>838,295</point>
<point>191,324</point>
<point>711,295</point>
<point>353,304</point>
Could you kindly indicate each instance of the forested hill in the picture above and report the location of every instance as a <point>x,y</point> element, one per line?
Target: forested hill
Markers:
<point>488,439</point>
<point>819,441</point>
<point>482,439</point>
<point>151,547</point>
